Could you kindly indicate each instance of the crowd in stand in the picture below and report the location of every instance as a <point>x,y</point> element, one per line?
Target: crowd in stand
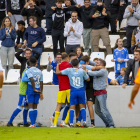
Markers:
<point>67,22</point>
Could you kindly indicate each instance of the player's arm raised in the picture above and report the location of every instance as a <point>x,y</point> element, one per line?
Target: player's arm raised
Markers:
<point>1,83</point>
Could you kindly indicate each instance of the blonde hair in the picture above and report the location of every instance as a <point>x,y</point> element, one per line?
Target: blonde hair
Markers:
<point>124,69</point>
<point>3,23</point>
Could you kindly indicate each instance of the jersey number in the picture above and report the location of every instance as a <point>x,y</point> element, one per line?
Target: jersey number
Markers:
<point>76,81</point>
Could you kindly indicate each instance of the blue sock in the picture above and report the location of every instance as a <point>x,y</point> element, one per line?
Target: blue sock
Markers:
<point>71,116</point>
<point>65,112</point>
<point>15,113</point>
<point>31,116</point>
<point>25,113</point>
<point>83,114</point>
<point>35,115</point>
<point>80,117</point>
<point>63,105</point>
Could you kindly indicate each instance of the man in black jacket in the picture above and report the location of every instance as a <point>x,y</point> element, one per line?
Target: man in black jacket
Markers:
<point>13,8</point>
<point>32,11</point>
<point>20,33</point>
<point>133,67</point>
<point>23,60</point>
<point>100,16</point>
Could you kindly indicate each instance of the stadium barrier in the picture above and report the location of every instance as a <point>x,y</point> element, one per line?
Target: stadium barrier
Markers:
<point>117,102</point>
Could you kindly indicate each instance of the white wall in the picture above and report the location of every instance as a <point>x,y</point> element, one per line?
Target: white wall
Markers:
<point>117,103</point>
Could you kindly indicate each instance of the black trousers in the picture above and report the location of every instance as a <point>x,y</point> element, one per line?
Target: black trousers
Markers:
<point>2,16</point>
<point>57,35</point>
<point>129,31</point>
<point>113,23</point>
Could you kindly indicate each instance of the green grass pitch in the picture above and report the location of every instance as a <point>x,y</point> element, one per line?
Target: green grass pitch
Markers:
<point>46,133</point>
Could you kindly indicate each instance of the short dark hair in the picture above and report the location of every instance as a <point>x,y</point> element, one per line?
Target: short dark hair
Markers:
<point>33,61</point>
<point>137,50</point>
<point>75,62</point>
<point>33,18</point>
<point>68,0</point>
<point>95,59</point>
<point>58,54</point>
<point>85,58</point>
<point>74,12</point>
<point>28,62</point>
<point>21,22</point>
<point>72,54</point>
<point>64,55</point>
<point>99,1</point>
<point>102,61</point>
<point>86,0</point>
<point>27,50</point>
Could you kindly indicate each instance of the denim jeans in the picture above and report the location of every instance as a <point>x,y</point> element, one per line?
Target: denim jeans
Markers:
<point>102,111</point>
<point>40,51</point>
<point>49,25</point>
<point>7,53</point>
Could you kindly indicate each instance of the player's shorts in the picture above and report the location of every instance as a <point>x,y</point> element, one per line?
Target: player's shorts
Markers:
<point>90,95</point>
<point>22,101</point>
<point>77,97</point>
<point>32,96</point>
<point>63,96</point>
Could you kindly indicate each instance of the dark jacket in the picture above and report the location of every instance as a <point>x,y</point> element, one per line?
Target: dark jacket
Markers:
<point>15,9</point>
<point>130,68</point>
<point>20,35</point>
<point>37,12</point>
<point>101,21</point>
<point>23,60</point>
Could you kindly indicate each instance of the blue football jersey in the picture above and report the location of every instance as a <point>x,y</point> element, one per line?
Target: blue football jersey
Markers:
<point>55,77</point>
<point>76,77</point>
<point>121,54</point>
<point>36,74</point>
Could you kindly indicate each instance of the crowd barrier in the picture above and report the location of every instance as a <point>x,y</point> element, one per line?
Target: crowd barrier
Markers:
<point>117,102</point>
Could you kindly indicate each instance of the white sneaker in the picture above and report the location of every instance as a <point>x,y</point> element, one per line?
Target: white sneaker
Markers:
<point>32,125</point>
<point>51,120</point>
<point>65,124</point>
<point>54,126</point>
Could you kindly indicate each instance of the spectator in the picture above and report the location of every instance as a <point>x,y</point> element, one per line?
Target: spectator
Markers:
<point>32,11</point>
<point>23,60</point>
<point>95,60</point>
<point>58,26</point>
<point>135,43</point>
<point>111,82</point>
<point>87,23</point>
<point>72,56</point>
<point>68,3</point>
<point>20,32</point>
<point>3,4</point>
<point>100,16</point>
<point>99,85</point>
<point>41,4</point>
<point>49,13</point>
<point>34,37</point>
<point>13,8</point>
<point>120,78</point>
<point>120,56</point>
<point>79,53</point>
<point>73,31</point>
<point>7,36</point>
<point>132,14</point>
<point>52,65</point>
<point>114,10</point>
<point>133,67</point>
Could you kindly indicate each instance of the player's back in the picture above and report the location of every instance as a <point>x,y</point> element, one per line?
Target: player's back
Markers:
<point>77,78</point>
<point>64,83</point>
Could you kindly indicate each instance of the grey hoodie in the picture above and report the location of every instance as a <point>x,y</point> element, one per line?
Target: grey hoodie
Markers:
<point>73,38</point>
<point>132,20</point>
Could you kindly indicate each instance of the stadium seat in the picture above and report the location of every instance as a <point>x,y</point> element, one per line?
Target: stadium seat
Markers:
<point>97,55</point>
<point>123,23</point>
<point>109,63</point>
<point>111,75</point>
<point>47,76</point>
<point>13,76</point>
<point>48,43</point>
<point>131,56</point>
<point>44,58</point>
<point>85,53</point>
<point>113,39</point>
